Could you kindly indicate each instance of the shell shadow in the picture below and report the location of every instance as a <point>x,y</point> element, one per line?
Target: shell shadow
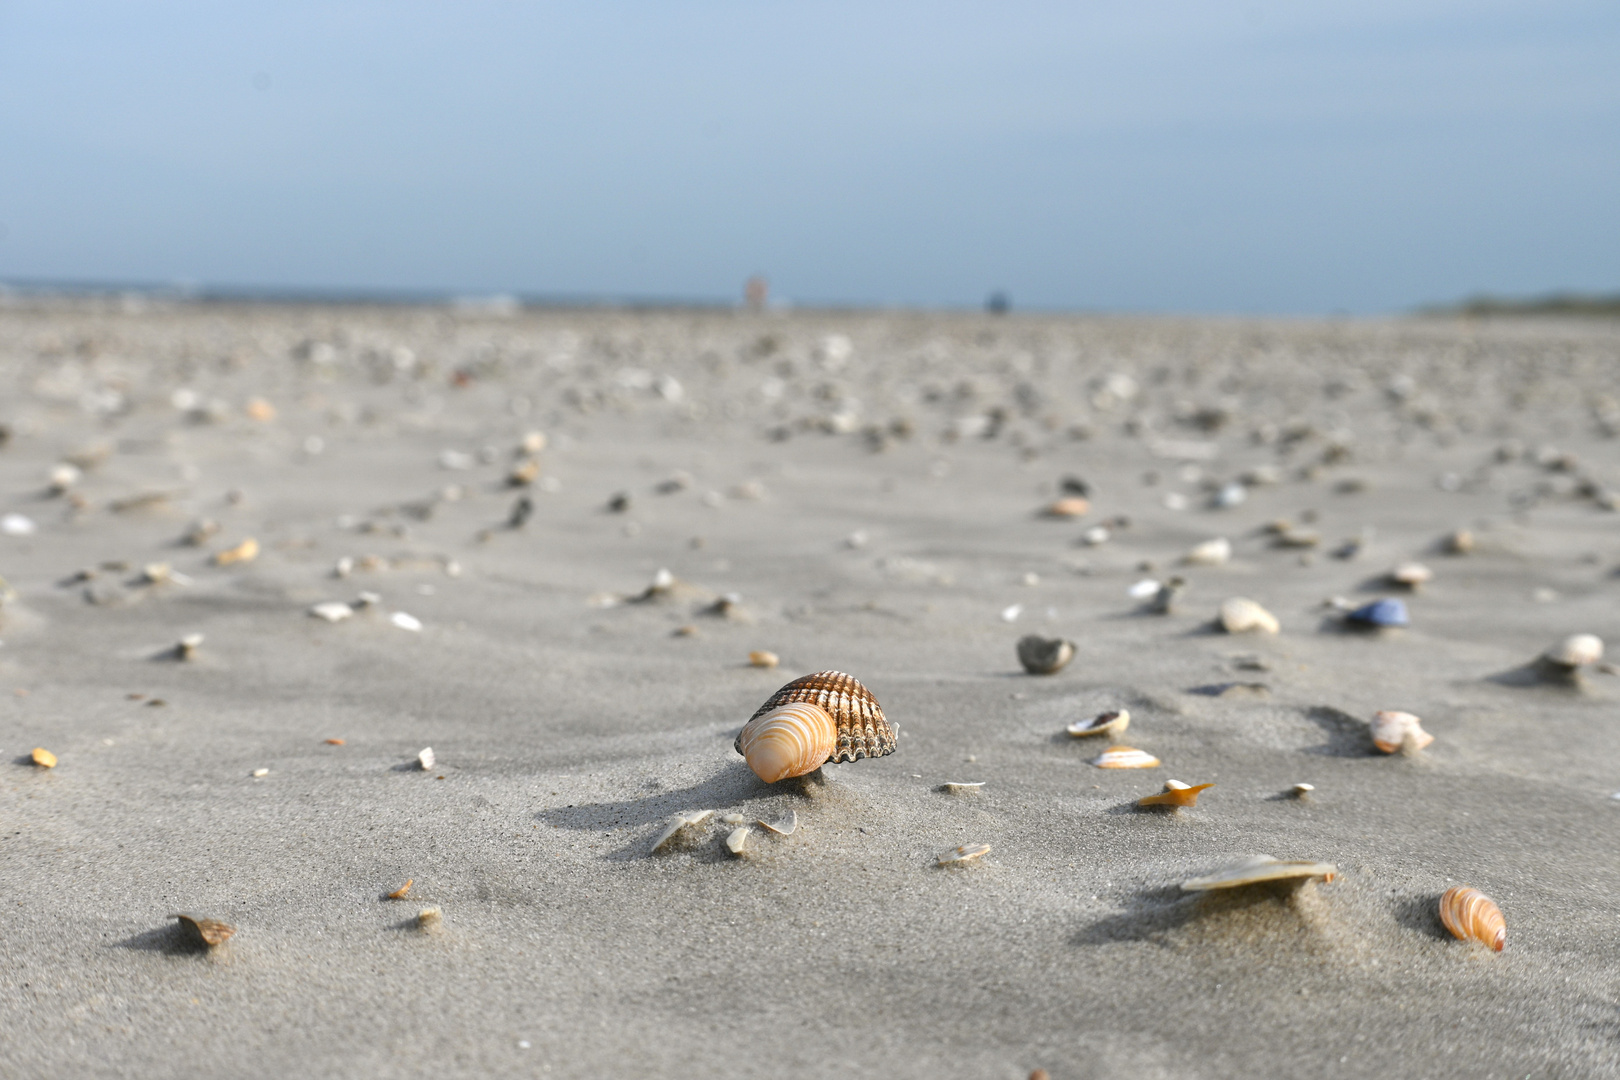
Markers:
<point>170,939</point>
<point>1534,674</point>
<point>1421,913</point>
<point>1347,736</point>
<point>1336,623</point>
<point>1238,688</point>
<point>1242,912</point>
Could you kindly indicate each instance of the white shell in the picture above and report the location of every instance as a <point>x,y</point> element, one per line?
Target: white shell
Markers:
<point>1302,789</point>
<point>677,823</point>
<point>1125,757</point>
<point>735,819</point>
<point>332,611</point>
<point>1214,552</point>
<point>964,854</point>
<point>1112,724</point>
<point>405,621</point>
<point>1256,869</point>
<point>429,918</point>
<point>1411,574</point>
<point>425,758</point>
<point>1393,731</point>
<point>1577,650</point>
<point>738,839</point>
<point>784,827</point>
<point>1240,615</point>
<point>962,787</point>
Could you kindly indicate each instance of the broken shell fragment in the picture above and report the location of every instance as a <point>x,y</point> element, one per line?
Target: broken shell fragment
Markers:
<point>827,716</point>
<point>1240,615</point>
<point>1112,724</point>
<point>209,932</point>
<point>738,839</point>
<point>1398,731</point>
<point>331,611</point>
<point>763,658</point>
<point>1070,506</point>
<point>246,551</point>
<point>959,856</point>
<point>1044,656</point>
<point>1301,791</point>
<point>524,473</point>
<point>424,760</point>
<point>1125,757</point>
<point>186,648</point>
<point>1175,795</point>
<point>1410,575</point>
<point>678,824</point>
<point>784,827</point>
<point>429,919</point>
<point>1471,915</point>
<point>1257,869</point>
<point>43,758</point>
<point>961,787</point>
<point>399,893</point>
<point>1214,552</point>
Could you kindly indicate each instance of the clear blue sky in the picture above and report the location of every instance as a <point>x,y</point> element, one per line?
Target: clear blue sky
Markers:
<point>1257,156</point>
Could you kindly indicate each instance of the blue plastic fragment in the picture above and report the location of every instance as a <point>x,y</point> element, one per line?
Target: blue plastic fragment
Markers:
<point>1381,613</point>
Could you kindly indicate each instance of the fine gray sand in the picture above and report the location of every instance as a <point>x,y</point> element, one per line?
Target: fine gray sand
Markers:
<point>869,485</point>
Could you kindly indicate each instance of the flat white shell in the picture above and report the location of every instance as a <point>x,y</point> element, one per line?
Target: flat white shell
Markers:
<point>1124,757</point>
<point>963,854</point>
<point>738,839</point>
<point>405,621</point>
<point>1210,553</point>
<point>783,827</point>
<point>677,823</point>
<point>332,611</point>
<point>1255,869</point>
<point>962,787</point>
<point>425,758</point>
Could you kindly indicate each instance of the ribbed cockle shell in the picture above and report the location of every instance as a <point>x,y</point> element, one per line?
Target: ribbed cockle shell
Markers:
<point>792,742</point>
<point>1470,914</point>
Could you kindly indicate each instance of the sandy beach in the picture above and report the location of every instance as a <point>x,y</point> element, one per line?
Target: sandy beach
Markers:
<point>560,534</point>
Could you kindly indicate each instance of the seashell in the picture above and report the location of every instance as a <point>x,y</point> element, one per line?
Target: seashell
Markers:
<point>1145,589</point>
<point>734,819</point>
<point>784,827</point>
<point>738,839</point>
<point>764,659</point>
<point>200,533</point>
<point>1256,869</point>
<point>1112,724</point>
<point>1214,552</point>
<point>331,611</point>
<point>1380,614</point>
<point>1411,575</point>
<point>677,824</point>
<point>792,742</point>
<point>1469,913</point>
<point>1229,495</point>
<point>1301,791</point>
<point>43,758</point>
<point>533,443</point>
<point>425,759</point>
<point>1125,757</point>
<point>186,648</point>
<point>399,893</point>
<point>1392,731</point>
<point>1097,534</point>
<point>260,774</point>
<point>961,787</point>
<point>406,621</point>
<point>1575,651</point>
<point>1460,542</point>
<point>64,476</point>
<point>429,919</point>
<point>1293,537</point>
<point>1175,795</point>
<point>259,409</point>
<point>246,551</point>
<point>1070,506</point>
<point>209,932</point>
<point>1239,615</point>
<point>524,473</point>
<point>336,742</point>
<point>1044,656</point>
<point>959,856</point>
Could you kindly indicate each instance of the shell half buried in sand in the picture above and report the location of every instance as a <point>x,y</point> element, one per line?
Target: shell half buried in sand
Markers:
<point>828,716</point>
<point>1472,916</point>
<point>1175,795</point>
<point>1112,723</point>
<point>959,856</point>
<point>1125,757</point>
<point>1257,869</point>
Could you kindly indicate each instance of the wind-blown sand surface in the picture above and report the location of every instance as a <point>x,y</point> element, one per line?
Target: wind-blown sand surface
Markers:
<point>873,500</point>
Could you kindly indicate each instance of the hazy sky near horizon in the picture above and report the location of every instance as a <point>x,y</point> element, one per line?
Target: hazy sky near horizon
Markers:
<point>1263,156</point>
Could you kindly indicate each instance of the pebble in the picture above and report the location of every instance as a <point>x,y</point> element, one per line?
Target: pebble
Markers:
<point>332,611</point>
<point>17,525</point>
<point>760,658</point>
<point>425,759</point>
<point>1380,613</point>
<point>405,621</point>
<point>1213,552</point>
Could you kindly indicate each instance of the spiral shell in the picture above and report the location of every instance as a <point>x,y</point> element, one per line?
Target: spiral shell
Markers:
<point>1469,913</point>
<point>860,729</point>
<point>788,741</point>
<point>1393,731</point>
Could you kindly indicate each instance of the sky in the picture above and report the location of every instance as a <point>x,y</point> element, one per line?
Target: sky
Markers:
<point>1257,157</point>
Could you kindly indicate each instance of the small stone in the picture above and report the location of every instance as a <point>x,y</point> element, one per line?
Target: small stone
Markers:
<point>1044,656</point>
<point>406,622</point>
<point>332,611</point>
<point>1380,614</point>
<point>187,647</point>
<point>208,932</point>
<point>1240,615</point>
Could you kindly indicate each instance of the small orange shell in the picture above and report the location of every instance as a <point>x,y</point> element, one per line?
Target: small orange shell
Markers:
<point>210,932</point>
<point>43,758</point>
<point>1070,506</point>
<point>1125,757</point>
<point>862,729</point>
<point>1469,913</point>
<point>246,551</point>
<point>1175,794</point>
<point>792,740</point>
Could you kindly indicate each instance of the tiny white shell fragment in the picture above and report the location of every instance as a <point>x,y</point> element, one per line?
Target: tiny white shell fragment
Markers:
<point>738,838</point>
<point>425,758</point>
<point>784,827</point>
<point>332,611</point>
<point>734,819</point>
<point>405,621</point>
<point>1240,615</point>
<point>261,772</point>
<point>961,787</point>
<point>17,525</point>
<point>964,854</point>
<point>1011,612</point>
<point>1175,785</point>
<point>1145,589</point>
<point>679,822</point>
<point>1411,574</point>
<point>1302,789</point>
<point>1215,552</point>
<point>429,919</point>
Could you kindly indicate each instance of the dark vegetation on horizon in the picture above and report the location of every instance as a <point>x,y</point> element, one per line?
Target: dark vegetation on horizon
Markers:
<point>1552,304</point>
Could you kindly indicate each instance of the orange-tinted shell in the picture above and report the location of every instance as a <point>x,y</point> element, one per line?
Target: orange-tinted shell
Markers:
<point>1469,913</point>
<point>862,730</point>
<point>792,740</point>
<point>1173,795</point>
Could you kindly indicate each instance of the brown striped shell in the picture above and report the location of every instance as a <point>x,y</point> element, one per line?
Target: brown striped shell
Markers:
<point>1470,914</point>
<point>862,730</point>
